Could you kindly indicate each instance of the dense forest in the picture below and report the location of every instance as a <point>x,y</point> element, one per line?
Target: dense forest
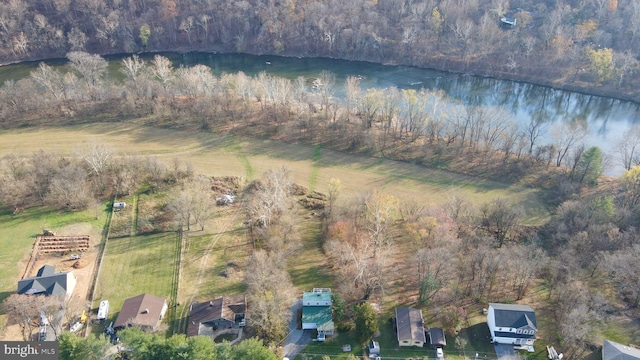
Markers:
<point>574,44</point>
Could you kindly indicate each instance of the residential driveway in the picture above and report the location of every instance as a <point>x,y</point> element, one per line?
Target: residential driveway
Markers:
<point>297,339</point>
<point>505,352</point>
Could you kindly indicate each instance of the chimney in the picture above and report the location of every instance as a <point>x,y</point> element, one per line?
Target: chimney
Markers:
<point>145,311</point>
<point>210,303</point>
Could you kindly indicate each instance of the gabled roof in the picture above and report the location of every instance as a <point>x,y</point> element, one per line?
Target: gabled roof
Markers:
<point>436,336</point>
<point>316,314</point>
<point>614,351</point>
<point>46,270</point>
<point>219,308</point>
<point>141,310</point>
<point>410,324</point>
<point>514,316</point>
<point>45,282</point>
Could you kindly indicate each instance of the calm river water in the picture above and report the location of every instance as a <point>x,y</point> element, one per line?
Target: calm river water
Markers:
<point>607,119</point>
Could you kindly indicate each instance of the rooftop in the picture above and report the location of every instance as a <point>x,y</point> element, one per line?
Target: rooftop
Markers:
<point>514,315</point>
<point>614,351</point>
<point>319,315</point>
<point>316,296</point>
<point>141,310</point>
<point>47,282</point>
<point>410,324</point>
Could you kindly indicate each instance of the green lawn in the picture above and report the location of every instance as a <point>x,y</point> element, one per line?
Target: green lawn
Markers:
<point>308,268</point>
<point>18,232</point>
<point>136,265</point>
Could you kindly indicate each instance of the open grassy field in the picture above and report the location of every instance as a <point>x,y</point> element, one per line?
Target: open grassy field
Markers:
<point>312,166</point>
<point>135,265</point>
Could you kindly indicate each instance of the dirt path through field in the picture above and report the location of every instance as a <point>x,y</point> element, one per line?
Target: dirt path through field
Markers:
<point>230,218</point>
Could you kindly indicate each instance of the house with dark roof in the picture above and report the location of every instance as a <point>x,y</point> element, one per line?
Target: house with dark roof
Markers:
<point>145,311</point>
<point>512,324</point>
<point>224,312</point>
<point>410,327</point>
<point>48,282</point>
<point>317,313</point>
<point>614,351</point>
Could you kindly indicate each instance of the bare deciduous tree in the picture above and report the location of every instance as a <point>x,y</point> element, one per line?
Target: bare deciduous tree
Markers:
<point>91,67</point>
<point>500,219</point>
<point>624,266</point>
<point>270,295</point>
<point>25,311</point>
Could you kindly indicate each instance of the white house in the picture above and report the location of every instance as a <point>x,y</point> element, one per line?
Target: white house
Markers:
<point>512,324</point>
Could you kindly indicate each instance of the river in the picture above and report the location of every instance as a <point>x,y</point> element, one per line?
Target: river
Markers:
<point>607,119</point>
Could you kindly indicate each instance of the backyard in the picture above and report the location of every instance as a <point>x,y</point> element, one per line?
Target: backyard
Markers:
<point>137,265</point>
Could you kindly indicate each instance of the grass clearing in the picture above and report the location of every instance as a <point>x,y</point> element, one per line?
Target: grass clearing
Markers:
<point>308,268</point>
<point>136,265</point>
<point>213,261</point>
<point>223,155</point>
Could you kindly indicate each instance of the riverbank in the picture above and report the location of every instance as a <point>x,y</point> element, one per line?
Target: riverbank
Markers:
<point>543,76</point>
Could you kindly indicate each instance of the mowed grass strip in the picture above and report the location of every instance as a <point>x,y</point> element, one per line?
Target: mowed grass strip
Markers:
<point>136,265</point>
<point>308,268</point>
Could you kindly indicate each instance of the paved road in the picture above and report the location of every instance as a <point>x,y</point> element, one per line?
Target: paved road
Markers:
<point>505,352</point>
<point>297,339</point>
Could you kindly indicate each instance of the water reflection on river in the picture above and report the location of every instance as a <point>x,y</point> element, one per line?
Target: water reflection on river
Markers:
<point>607,119</point>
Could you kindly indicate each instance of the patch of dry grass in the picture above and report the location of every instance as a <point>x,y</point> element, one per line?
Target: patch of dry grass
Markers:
<point>225,155</point>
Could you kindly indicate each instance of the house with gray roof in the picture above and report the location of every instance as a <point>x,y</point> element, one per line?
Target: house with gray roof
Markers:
<point>614,351</point>
<point>410,327</point>
<point>48,282</point>
<point>512,324</point>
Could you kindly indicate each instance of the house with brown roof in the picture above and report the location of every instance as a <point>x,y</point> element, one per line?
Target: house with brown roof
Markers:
<point>410,327</point>
<point>145,311</point>
<point>224,312</point>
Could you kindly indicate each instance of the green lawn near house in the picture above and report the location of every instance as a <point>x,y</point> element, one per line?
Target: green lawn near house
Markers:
<point>18,232</point>
<point>136,265</point>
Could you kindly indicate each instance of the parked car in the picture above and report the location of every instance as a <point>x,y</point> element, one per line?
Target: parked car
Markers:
<point>75,256</point>
<point>439,353</point>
